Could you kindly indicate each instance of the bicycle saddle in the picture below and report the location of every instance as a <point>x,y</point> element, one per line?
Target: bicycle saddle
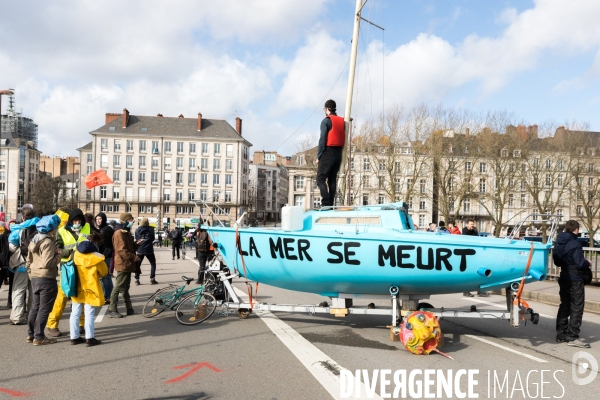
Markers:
<point>186,279</point>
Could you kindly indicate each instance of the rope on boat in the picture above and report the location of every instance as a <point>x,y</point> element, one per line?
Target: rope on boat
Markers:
<point>518,301</point>
<point>238,245</point>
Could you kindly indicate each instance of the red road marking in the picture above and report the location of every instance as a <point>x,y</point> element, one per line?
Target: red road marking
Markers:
<point>13,393</point>
<point>194,367</point>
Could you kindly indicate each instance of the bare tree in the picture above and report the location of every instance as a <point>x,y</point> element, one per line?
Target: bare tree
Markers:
<point>49,194</point>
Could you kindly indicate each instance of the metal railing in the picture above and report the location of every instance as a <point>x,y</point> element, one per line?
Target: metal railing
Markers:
<point>591,253</point>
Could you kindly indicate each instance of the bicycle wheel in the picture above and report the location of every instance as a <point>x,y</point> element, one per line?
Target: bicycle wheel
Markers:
<point>191,311</point>
<point>159,301</point>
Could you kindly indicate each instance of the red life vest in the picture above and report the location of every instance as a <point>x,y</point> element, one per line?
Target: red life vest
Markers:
<point>336,135</point>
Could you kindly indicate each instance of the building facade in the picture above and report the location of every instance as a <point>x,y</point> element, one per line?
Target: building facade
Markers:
<point>57,166</point>
<point>162,166</point>
<point>268,192</point>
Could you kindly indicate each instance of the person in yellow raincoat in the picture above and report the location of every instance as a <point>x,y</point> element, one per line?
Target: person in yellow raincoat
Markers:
<point>90,268</point>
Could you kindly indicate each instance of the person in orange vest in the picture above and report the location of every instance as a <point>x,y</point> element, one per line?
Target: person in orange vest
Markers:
<point>329,154</point>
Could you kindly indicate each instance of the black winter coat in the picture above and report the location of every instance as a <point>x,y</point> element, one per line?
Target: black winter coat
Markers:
<point>568,255</point>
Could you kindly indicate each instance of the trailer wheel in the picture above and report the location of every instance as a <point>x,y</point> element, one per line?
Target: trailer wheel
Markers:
<point>424,305</point>
<point>244,313</point>
<point>535,318</point>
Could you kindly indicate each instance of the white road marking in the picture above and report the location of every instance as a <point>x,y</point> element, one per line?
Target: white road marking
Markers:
<point>100,315</point>
<point>506,348</point>
<point>489,303</point>
<point>313,359</point>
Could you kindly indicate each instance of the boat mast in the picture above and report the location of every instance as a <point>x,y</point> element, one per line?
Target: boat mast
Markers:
<point>359,6</point>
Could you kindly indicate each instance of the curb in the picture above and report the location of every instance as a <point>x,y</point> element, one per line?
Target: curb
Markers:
<point>552,299</point>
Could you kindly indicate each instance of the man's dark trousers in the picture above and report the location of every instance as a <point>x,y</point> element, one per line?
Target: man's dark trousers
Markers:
<point>570,312</point>
<point>327,170</point>
<point>202,258</point>
<point>44,291</point>
<point>176,245</point>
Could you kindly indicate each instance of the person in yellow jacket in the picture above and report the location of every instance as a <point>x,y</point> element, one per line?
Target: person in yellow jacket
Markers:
<point>90,268</point>
<point>75,231</point>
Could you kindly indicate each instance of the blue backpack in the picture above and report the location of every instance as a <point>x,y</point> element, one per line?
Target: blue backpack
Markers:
<point>68,278</point>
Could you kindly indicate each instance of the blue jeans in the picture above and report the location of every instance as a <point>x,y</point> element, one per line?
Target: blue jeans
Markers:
<point>74,320</point>
<point>107,283</point>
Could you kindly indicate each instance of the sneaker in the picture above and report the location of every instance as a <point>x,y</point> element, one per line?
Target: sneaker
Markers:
<point>198,283</point>
<point>81,331</point>
<point>482,294</point>
<point>153,282</point>
<point>106,301</point>
<point>92,342</point>
<point>114,314</point>
<point>29,339</point>
<point>561,340</point>
<point>467,294</point>
<point>178,258</point>
<point>173,258</point>
<point>53,332</point>
<point>19,322</point>
<point>578,343</point>
<point>130,311</point>
<point>78,340</point>
<point>43,341</point>
<point>137,282</point>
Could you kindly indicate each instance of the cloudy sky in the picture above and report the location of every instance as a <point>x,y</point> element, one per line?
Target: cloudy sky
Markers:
<point>273,62</point>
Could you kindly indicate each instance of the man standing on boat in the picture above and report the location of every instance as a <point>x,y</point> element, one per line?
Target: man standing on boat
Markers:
<point>329,155</point>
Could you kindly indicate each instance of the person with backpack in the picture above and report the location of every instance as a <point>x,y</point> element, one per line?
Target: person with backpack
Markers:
<point>125,261</point>
<point>145,234</point>
<point>19,240</point>
<point>42,266</point>
<point>176,239</point>
<point>204,242</point>
<point>76,230</point>
<point>90,266</point>
<point>106,248</point>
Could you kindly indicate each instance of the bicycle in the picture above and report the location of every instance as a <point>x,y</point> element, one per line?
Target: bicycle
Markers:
<point>183,252</point>
<point>191,307</point>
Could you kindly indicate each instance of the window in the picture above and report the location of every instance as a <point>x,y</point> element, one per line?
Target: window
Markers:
<point>216,195</point>
<point>192,148</point>
<point>129,161</point>
<point>381,199</point>
<point>536,162</point>
<point>299,183</point>
<point>216,164</point>
<point>167,147</point>
<point>142,161</point>
<point>299,201</point>
<point>204,164</point>
<point>191,179</point>
<point>397,184</point>
<point>548,180</point>
<point>422,186</point>
<point>142,177</point>
<point>130,145</point>
<point>116,161</point>
<point>422,204</point>
<point>468,166</point>
<point>142,146</point>
<point>482,186</point>
<point>155,146</point>
<point>511,200</point>
<point>590,168</point>
<point>381,180</point>
<point>517,153</point>
<point>203,194</point>
<point>89,169</point>
<point>216,179</point>
<point>229,150</point>
<point>116,193</point>
<point>482,167</point>
<point>467,206</point>
<point>154,162</point>
<point>179,178</point>
<point>166,209</point>
<point>102,192</point>
<point>217,149</point>
<point>179,147</point>
<point>89,158</point>
<point>192,163</point>
<point>228,165</point>
<point>167,178</point>
<point>228,196</point>
<point>191,195</point>
<point>167,163</point>
<point>366,164</point>
<point>579,210</point>
<point>523,200</point>
<point>129,176</point>
<point>504,153</point>
<point>104,161</point>
<point>204,179</point>
<point>204,148</point>
<point>154,177</point>
<point>381,167</point>
<point>116,176</point>
<point>179,162</point>
<point>104,144</point>
<point>228,180</point>
<point>166,196</point>
<point>179,195</point>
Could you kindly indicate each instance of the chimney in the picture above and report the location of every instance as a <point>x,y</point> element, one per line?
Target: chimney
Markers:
<point>533,131</point>
<point>238,125</point>
<point>199,122</point>
<point>522,132</point>
<point>111,117</point>
<point>125,118</point>
<point>159,115</point>
<point>467,132</point>
<point>180,116</point>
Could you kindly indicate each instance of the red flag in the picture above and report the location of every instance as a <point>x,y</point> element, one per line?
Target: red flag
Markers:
<point>97,178</point>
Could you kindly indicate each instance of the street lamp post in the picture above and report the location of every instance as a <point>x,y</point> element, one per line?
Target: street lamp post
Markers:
<point>9,93</point>
<point>73,183</point>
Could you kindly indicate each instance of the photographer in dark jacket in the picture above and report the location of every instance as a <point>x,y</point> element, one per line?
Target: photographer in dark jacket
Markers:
<point>146,233</point>
<point>176,240</point>
<point>106,248</point>
<point>568,255</point>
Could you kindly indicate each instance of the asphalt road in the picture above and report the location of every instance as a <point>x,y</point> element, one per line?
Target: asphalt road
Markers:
<point>287,356</point>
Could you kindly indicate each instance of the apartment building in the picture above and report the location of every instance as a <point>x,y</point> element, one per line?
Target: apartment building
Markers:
<point>161,166</point>
<point>268,186</point>
<point>302,180</point>
<point>19,168</point>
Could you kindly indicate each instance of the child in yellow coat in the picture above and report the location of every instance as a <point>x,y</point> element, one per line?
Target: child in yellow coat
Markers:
<point>90,268</point>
